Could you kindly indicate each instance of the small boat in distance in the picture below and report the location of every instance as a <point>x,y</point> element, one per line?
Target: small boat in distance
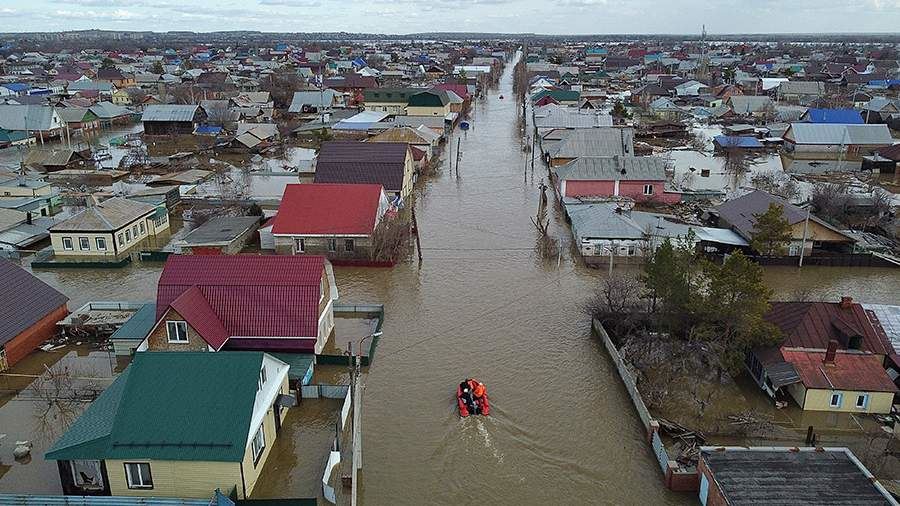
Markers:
<point>472,398</point>
<point>501,97</point>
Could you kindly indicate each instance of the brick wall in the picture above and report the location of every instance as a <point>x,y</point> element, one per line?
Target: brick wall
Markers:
<point>159,338</point>
<point>23,344</point>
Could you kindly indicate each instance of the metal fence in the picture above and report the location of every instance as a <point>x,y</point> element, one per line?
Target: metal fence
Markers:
<point>326,391</point>
<point>624,373</point>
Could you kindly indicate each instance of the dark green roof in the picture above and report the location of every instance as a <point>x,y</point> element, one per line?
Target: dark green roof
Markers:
<point>429,98</point>
<point>193,406</point>
<point>139,325</point>
<point>299,363</point>
<point>395,95</point>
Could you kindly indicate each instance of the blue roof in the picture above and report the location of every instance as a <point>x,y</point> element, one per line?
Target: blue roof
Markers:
<point>737,141</point>
<point>207,130</point>
<point>16,87</point>
<point>139,325</point>
<point>839,116</point>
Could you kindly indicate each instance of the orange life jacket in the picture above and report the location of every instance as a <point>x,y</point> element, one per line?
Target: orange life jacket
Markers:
<point>478,390</point>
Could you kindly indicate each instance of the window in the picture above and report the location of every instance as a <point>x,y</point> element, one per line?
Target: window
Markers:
<point>86,474</point>
<point>121,240</point>
<point>143,227</point>
<point>648,189</point>
<point>138,475</point>
<point>84,244</point>
<point>101,243</point>
<point>258,444</point>
<point>348,245</point>
<point>134,231</point>
<point>862,401</point>
<point>332,245</point>
<point>298,245</point>
<point>67,243</point>
<point>836,399</point>
<point>176,332</point>
<point>128,236</point>
<point>262,377</point>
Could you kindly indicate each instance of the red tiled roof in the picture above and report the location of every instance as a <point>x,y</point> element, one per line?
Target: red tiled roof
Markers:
<point>196,311</point>
<point>328,209</point>
<point>251,295</point>
<point>850,371</point>
<point>814,324</point>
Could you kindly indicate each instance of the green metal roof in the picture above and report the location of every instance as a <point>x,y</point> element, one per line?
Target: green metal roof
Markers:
<point>193,406</point>
<point>139,325</point>
<point>390,95</point>
<point>299,363</point>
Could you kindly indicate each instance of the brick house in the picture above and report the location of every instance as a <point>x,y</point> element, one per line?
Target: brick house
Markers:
<point>337,221</point>
<point>243,302</point>
<point>641,178</point>
<point>29,310</point>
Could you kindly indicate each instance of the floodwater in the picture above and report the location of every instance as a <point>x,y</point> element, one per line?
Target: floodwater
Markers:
<point>483,304</point>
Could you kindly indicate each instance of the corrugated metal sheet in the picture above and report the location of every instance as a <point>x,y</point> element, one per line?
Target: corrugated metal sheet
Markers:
<point>611,168</point>
<point>169,112</point>
<point>832,134</point>
<point>24,300</point>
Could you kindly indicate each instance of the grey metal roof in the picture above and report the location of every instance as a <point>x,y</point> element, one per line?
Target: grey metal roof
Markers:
<point>595,142</point>
<point>801,88</point>
<point>109,215</point>
<point>611,168</point>
<point>109,110</point>
<point>139,325</point>
<point>24,300</point>
<point>38,117</point>
<point>808,476</point>
<point>169,112</point>
<point>220,231</point>
<point>322,98</point>
<point>747,104</point>
<point>889,318</point>
<point>830,133</point>
<point>602,221</point>
<point>555,116</point>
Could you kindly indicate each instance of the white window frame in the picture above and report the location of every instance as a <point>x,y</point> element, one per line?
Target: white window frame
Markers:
<point>864,398</point>
<point>258,444</point>
<point>648,189</point>
<point>99,241</point>
<point>177,325</point>
<point>299,245</point>
<point>82,241</point>
<point>143,227</point>
<point>70,246</point>
<point>840,399</point>
<point>129,476</point>
<point>262,377</point>
<point>121,238</point>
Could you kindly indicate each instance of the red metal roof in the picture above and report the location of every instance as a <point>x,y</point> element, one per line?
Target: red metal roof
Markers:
<point>196,311</point>
<point>251,295</point>
<point>850,371</point>
<point>328,209</point>
<point>814,324</point>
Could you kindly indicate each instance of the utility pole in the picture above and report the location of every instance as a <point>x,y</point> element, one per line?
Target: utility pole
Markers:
<point>803,244</point>
<point>458,141</point>
<point>415,223</point>
<point>353,421</point>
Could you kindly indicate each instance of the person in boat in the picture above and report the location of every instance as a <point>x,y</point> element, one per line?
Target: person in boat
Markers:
<point>468,395</point>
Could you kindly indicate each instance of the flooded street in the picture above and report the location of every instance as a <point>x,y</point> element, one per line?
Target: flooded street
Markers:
<point>483,304</point>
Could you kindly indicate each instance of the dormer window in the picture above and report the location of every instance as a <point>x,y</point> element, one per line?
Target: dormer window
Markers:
<point>176,331</point>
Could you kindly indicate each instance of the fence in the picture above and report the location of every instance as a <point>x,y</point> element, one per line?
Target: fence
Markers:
<point>357,310</point>
<point>625,374</point>
<point>829,260</point>
<point>326,391</point>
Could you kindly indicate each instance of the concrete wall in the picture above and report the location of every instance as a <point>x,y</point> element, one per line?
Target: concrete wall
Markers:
<point>820,400</point>
<point>23,344</point>
<point>121,248</point>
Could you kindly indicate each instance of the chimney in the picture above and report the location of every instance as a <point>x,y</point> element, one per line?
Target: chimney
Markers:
<point>846,302</point>
<point>830,352</point>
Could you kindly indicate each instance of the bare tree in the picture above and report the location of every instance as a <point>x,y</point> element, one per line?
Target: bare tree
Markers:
<point>779,184</point>
<point>60,395</point>
<point>831,202</point>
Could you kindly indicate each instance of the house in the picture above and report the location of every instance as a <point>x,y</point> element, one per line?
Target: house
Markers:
<point>79,118</point>
<point>562,146</point>
<point>728,142</point>
<point>177,425</point>
<point>836,116</point>
<point>750,105</point>
<point>313,101</point>
<point>29,310</point>
<point>389,100</point>
<point>53,160</point>
<point>431,102</point>
<point>423,138</point>
<point>40,121</point>
<point>222,235</point>
<point>552,117</point>
<point>108,231</point>
<point>270,303</point>
<point>641,178</point>
<point>799,91</point>
<point>389,164</point>
<point>334,220</point>
<point>850,141</point>
<point>605,230</point>
<point>556,95</point>
<point>116,77</point>
<point>111,114</point>
<point>665,108</point>
<point>804,476</point>
<point>842,381</point>
<point>255,136</point>
<point>353,85</point>
<point>170,119</point>
<point>740,215</point>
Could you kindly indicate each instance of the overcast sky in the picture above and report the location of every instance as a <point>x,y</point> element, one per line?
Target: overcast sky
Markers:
<point>408,16</point>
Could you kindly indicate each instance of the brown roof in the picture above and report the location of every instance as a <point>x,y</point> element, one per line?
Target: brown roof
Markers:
<point>109,215</point>
<point>814,324</point>
<point>850,371</point>
<point>24,300</point>
<point>362,162</point>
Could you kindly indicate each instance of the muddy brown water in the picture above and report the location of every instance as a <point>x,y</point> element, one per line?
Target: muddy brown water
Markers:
<point>482,304</point>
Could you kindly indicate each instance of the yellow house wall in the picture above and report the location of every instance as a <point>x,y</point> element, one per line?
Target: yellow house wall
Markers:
<point>15,190</point>
<point>175,478</point>
<point>150,229</point>
<point>251,472</point>
<point>388,107</point>
<point>820,400</point>
<point>816,232</point>
<point>428,111</point>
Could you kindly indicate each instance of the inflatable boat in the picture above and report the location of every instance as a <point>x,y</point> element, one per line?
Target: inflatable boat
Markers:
<point>468,403</point>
